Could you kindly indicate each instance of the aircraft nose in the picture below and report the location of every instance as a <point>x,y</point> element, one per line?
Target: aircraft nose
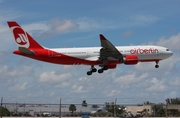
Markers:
<point>170,53</point>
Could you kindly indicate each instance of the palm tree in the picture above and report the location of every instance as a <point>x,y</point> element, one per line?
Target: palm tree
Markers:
<point>155,109</point>
<point>84,103</point>
<point>144,112</point>
<point>72,108</point>
<point>95,106</point>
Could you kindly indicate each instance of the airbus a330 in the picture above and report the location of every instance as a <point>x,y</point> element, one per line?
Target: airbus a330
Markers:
<point>107,56</point>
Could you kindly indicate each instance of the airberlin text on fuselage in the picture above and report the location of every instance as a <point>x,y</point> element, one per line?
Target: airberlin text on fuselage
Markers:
<point>144,51</point>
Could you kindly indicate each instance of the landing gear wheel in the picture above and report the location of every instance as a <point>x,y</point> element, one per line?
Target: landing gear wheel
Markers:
<point>156,66</point>
<point>89,73</point>
<point>100,71</point>
<point>105,68</point>
<point>94,70</point>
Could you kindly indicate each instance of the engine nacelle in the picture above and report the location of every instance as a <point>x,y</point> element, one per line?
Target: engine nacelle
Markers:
<point>130,60</point>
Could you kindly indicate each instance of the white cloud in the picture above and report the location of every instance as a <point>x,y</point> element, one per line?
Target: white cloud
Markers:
<point>175,81</point>
<point>52,93</point>
<point>19,87</point>
<point>35,26</point>
<point>156,86</point>
<point>89,24</point>
<point>130,78</point>
<point>62,84</point>
<point>143,20</point>
<point>7,72</point>
<point>173,94</point>
<point>53,77</point>
<point>112,93</point>
<point>58,26</point>
<point>172,43</point>
<point>127,34</point>
<point>78,89</point>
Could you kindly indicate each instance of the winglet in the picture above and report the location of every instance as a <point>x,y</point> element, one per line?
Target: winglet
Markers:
<point>102,37</point>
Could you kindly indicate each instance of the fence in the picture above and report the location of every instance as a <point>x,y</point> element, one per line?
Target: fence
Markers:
<point>108,109</point>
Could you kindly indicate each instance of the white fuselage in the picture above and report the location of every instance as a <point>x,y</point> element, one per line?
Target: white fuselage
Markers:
<point>144,53</point>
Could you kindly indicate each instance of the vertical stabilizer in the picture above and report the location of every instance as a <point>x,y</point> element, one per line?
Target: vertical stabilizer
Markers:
<point>22,38</point>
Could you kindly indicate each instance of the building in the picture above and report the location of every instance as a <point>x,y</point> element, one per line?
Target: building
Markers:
<point>172,106</point>
<point>137,110</point>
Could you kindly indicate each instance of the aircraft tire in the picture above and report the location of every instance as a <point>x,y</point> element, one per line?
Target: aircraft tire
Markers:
<point>94,70</point>
<point>89,73</point>
<point>100,71</point>
<point>105,68</point>
<point>156,66</point>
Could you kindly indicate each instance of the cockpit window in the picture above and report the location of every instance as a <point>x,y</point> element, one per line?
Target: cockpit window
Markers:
<point>167,49</point>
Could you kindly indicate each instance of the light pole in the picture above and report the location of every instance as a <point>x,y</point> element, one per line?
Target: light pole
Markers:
<point>1,106</point>
<point>115,108</point>
<point>60,109</point>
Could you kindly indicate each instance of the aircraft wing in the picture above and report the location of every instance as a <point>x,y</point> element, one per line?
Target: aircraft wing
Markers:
<point>108,50</point>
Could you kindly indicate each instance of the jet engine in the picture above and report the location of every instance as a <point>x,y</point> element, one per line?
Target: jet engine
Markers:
<point>130,60</point>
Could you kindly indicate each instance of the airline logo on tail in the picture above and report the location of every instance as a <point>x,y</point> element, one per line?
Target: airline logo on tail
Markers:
<point>21,37</point>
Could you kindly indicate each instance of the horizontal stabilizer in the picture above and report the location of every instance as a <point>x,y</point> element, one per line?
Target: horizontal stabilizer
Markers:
<point>26,51</point>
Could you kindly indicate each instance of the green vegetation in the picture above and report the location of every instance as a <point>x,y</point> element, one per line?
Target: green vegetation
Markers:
<point>72,108</point>
<point>5,112</point>
<point>84,103</point>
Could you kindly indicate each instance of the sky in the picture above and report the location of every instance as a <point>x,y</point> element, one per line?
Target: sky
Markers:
<point>65,23</point>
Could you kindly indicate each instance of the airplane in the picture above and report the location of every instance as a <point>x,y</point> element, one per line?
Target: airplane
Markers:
<point>107,56</point>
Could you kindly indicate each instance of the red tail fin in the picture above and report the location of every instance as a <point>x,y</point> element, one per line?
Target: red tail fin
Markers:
<point>22,38</point>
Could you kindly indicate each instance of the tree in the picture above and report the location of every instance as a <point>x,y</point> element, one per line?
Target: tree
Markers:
<point>160,112</point>
<point>173,112</point>
<point>95,106</point>
<point>84,103</point>
<point>173,100</point>
<point>5,112</point>
<point>101,113</point>
<point>72,108</point>
<point>147,103</point>
<point>155,109</point>
<point>144,112</point>
<point>110,108</point>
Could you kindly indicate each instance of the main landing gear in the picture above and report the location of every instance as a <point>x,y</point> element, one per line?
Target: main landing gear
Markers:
<point>102,69</point>
<point>157,66</point>
<point>93,70</point>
